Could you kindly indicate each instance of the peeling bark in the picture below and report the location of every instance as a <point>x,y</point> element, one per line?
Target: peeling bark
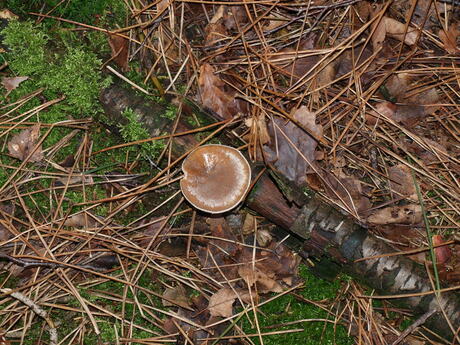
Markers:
<point>322,230</point>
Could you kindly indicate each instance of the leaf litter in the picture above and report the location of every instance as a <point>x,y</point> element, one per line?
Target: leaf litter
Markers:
<point>383,108</point>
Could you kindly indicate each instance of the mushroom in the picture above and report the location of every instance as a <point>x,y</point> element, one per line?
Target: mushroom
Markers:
<point>216,178</point>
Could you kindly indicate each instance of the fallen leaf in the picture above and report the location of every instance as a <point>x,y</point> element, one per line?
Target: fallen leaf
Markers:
<point>74,179</point>
<point>221,303</point>
<point>235,17</point>
<point>249,224</point>
<point>264,280</point>
<point>397,29</point>
<point>294,61</point>
<point>11,83</point>
<point>385,108</point>
<point>7,14</point>
<point>119,47</point>
<point>296,151</point>
<point>347,191</point>
<point>21,145</point>
<point>175,296</point>
<point>393,28</point>
<point>258,128</point>
<point>449,38</point>
<point>406,114</point>
<point>401,181</point>
<point>214,96</point>
<point>81,220</point>
<point>263,237</point>
<point>397,85</point>
<point>443,253</point>
<point>408,214</point>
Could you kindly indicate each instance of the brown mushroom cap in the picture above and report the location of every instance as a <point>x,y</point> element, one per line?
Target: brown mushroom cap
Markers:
<point>216,178</point>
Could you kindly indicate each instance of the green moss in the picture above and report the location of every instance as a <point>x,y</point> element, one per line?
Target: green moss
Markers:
<point>134,131</point>
<point>287,309</point>
<point>26,44</point>
<point>90,12</point>
<point>78,78</point>
<point>171,112</point>
<point>74,73</point>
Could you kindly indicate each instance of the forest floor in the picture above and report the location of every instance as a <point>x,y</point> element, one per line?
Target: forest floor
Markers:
<point>356,102</point>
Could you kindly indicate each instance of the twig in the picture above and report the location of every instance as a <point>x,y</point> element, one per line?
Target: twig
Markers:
<point>37,310</point>
<point>421,320</point>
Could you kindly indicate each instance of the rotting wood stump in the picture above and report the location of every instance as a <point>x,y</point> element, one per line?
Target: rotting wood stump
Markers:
<point>322,230</point>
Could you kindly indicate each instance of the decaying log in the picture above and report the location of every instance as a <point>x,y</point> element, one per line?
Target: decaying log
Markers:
<point>323,231</point>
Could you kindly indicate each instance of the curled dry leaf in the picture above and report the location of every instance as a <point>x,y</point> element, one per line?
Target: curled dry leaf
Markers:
<point>263,237</point>
<point>397,85</point>
<point>214,96</point>
<point>401,181</point>
<point>7,14</point>
<point>442,253</point>
<point>449,38</point>
<point>347,191</point>
<point>221,303</point>
<point>265,282</point>
<point>296,152</point>
<point>175,296</point>
<point>258,128</point>
<point>21,145</point>
<point>119,47</point>
<point>293,61</point>
<point>11,83</point>
<point>235,17</point>
<point>76,179</point>
<point>81,220</point>
<point>424,101</point>
<point>408,214</point>
<point>393,28</point>
<point>385,108</point>
<point>408,115</point>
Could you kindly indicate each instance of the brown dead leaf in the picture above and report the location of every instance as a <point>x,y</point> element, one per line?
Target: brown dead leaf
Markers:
<point>221,303</point>
<point>7,14</point>
<point>347,191</point>
<point>74,179</point>
<point>393,28</point>
<point>293,65</point>
<point>265,282</point>
<point>215,32</point>
<point>408,214</point>
<point>21,145</point>
<point>401,181</point>
<point>222,253</point>
<point>449,38</point>
<point>249,224</point>
<point>397,85</point>
<point>263,237</point>
<point>443,253</point>
<point>408,115</point>
<point>291,140</point>
<point>235,17</point>
<point>176,296</point>
<point>214,95</point>
<point>385,108</point>
<point>119,46</point>
<point>11,83</point>
<point>258,128</point>
<point>80,220</point>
